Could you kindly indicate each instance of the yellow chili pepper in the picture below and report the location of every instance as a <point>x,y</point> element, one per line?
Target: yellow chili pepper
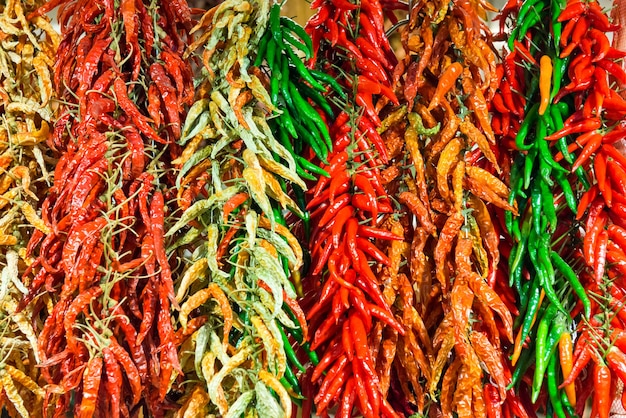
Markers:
<point>545,78</point>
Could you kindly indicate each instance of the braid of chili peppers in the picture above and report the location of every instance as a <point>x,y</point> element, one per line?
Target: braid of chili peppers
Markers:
<point>593,131</point>
<point>26,99</point>
<point>572,118</point>
<point>447,190</point>
<point>235,179</point>
<point>112,289</point>
<point>347,302</point>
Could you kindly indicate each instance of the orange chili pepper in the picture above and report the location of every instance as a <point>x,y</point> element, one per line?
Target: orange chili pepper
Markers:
<point>567,362</point>
<point>446,82</point>
<point>545,78</point>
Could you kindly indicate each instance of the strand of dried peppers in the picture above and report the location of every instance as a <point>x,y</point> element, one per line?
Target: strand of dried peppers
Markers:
<point>235,180</point>
<point>27,54</point>
<point>108,347</point>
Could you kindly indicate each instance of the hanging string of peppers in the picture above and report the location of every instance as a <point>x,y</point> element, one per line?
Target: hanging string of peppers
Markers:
<point>344,299</point>
<point>445,174</point>
<point>236,182</point>
<point>108,342</point>
<point>27,50</point>
<point>560,84</point>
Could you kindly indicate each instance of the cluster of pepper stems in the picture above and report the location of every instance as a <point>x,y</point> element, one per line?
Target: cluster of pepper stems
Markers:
<point>248,215</point>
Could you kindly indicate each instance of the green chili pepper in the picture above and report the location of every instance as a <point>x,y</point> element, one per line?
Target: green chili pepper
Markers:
<point>553,390</point>
<point>526,7</point>
<point>331,81</point>
<point>544,150</point>
<point>536,204</point>
<point>277,34</point>
<point>533,308</point>
<point>291,355</point>
<point>284,84</point>
<point>295,386</point>
<point>531,118</point>
<point>306,164</point>
<point>533,18</point>
<point>274,88</point>
<point>547,203</point>
<point>303,71</point>
<point>317,98</point>
<point>524,297</point>
<point>263,44</point>
<point>545,265</point>
<point>566,403</point>
<point>563,108</point>
<point>545,170</point>
<point>561,144</point>
<point>271,55</point>
<point>570,199</point>
<point>302,173</point>
<point>310,113</point>
<point>312,354</point>
<point>301,202</point>
<point>316,144</point>
<point>298,30</point>
<point>541,351</point>
<point>572,278</point>
<point>582,177</point>
<point>528,166</point>
<point>292,40</point>
<point>559,73</point>
<point>512,37</point>
<point>287,122</point>
<point>525,360</point>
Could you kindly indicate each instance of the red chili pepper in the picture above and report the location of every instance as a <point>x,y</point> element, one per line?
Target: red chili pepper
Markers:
<point>492,401</point>
<point>600,256</point>
<point>91,384</point>
<point>599,19</point>
<point>332,34</point>
<point>367,127</point>
<point>365,101</point>
<point>373,53</point>
<point>616,360</point>
<point>584,125</point>
<point>567,31</point>
<point>349,394</point>
<point>591,146</point>
<point>602,388</point>
<point>332,353</point>
<point>334,208</point>
<point>343,5</point>
<point>524,53</point>
<point>340,220</point>
<point>614,69</point>
<point>362,183</point>
<point>233,203</point>
<point>614,102</point>
<point>375,233</point>
<point>602,44</point>
<point>319,18</point>
<point>357,299</point>
<point>617,175</point>
<point>369,248</point>
<point>572,11</point>
<point>129,107</point>
<point>352,226</point>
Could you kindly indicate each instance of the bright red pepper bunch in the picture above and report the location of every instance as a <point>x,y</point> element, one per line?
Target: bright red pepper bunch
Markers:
<point>108,342</point>
<point>343,297</point>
